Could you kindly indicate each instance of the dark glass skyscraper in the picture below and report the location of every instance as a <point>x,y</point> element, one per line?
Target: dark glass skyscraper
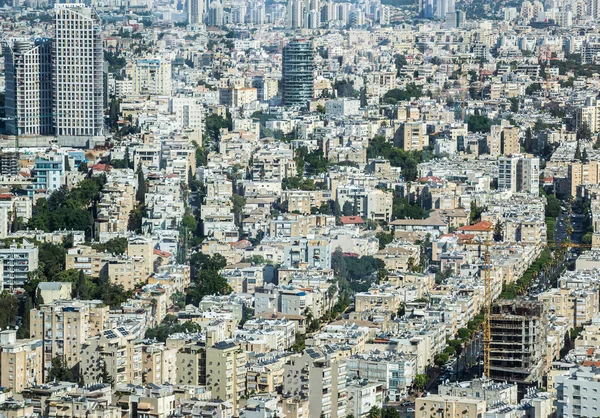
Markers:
<point>297,76</point>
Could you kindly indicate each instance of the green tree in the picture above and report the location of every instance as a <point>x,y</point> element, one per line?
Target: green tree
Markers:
<point>479,123</point>
<point>578,152</point>
<point>114,246</point>
<point>498,232</point>
<point>584,132</point>
<point>59,371</point>
<point>390,412</point>
<point>420,381</point>
<point>441,359</point>
<point>105,375</point>
<point>348,209</point>
<point>24,329</point>
<point>374,412</point>
<point>338,264</point>
<point>475,212</point>
<point>209,282</point>
<point>514,104</point>
<point>402,209</point>
<point>584,156</point>
<point>171,325</point>
<point>140,194</point>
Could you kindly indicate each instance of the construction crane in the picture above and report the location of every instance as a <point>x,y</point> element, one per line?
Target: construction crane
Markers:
<point>487,330</point>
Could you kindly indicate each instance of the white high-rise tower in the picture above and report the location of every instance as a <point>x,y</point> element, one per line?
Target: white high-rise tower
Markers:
<point>78,73</point>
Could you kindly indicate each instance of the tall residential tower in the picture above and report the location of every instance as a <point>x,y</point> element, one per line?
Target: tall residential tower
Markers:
<point>28,64</point>
<point>297,77</point>
<point>78,69</point>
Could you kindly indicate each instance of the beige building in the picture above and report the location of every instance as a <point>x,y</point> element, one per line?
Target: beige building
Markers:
<point>244,95</point>
<point>115,351</point>
<point>580,173</point>
<point>503,140</point>
<point>319,377</point>
<point>86,259</point>
<point>142,248</point>
<point>191,365</point>
<point>126,271</point>
<point>94,402</point>
<point>159,364</point>
<point>227,364</point>
<point>20,361</point>
<point>382,299</point>
<point>577,306</point>
<point>411,136</point>
<point>53,291</point>
<point>145,402</point>
<point>435,406</point>
<point>65,326</point>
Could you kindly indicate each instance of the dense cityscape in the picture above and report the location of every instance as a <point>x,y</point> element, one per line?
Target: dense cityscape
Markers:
<point>300,209</point>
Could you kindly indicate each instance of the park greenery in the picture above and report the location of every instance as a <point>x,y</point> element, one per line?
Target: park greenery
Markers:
<point>407,160</point>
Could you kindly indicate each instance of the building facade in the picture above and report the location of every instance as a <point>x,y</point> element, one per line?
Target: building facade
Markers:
<point>28,65</point>
<point>78,69</point>
<point>297,77</point>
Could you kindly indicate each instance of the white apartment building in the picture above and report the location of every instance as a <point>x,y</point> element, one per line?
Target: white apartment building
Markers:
<point>78,69</point>
<point>28,65</point>
<point>518,173</point>
<point>188,111</point>
<point>326,372</point>
<point>577,393</point>
<point>18,261</point>
<point>152,76</point>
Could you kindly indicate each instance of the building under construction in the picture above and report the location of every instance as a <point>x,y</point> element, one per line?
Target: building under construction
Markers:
<point>518,343</point>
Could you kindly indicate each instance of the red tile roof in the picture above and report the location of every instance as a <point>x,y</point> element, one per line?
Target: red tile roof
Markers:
<point>478,227</point>
<point>352,220</point>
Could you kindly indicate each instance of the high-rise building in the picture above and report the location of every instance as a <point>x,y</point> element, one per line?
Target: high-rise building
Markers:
<point>78,69</point>
<point>297,77</point>
<point>215,14</point>
<point>18,262</point>
<point>28,64</point>
<point>20,361</point>
<point>195,11</point>
<point>518,173</point>
<point>151,76</point>
<point>319,376</point>
<point>64,326</point>
<point>411,136</point>
<point>227,364</point>
<point>295,14</point>
<point>503,139</point>
<point>518,346</point>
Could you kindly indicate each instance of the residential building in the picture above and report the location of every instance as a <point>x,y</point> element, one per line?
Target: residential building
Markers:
<point>64,326</point>
<point>48,173</point>
<point>28,78</point>
<point>227,363</point>
<point>411,136</point>
<point>78,70</point>
<point>434,406</point>
<point>576,392</point>
<point>518,173</point>
<point>297,76</point>
<point>20,361</point>
<point>18,261</point>
<point>152,77</point>
<point>326,372</point>
<point>113,351</point>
